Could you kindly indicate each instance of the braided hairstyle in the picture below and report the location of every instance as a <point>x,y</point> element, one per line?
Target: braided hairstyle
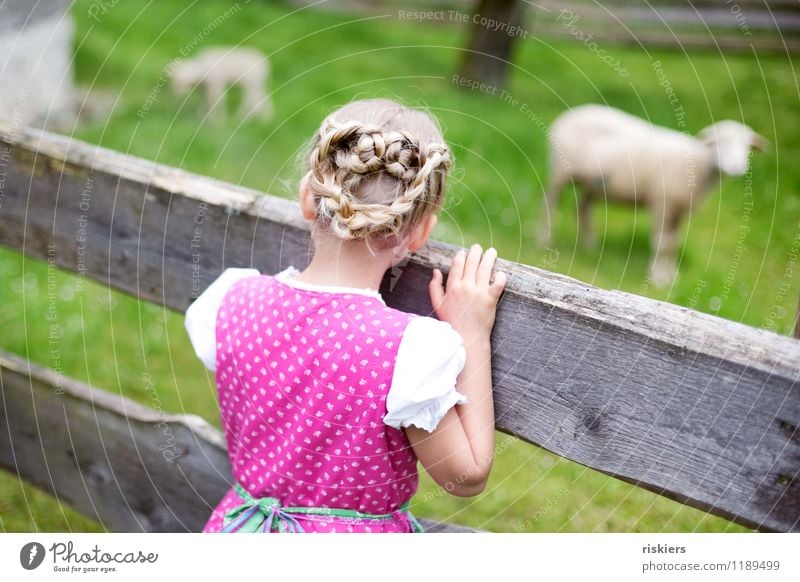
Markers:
<point>376,168</point>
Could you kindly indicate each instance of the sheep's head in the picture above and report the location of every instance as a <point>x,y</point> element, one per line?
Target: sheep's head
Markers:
<point>731,142</point>
<point>181,77</point>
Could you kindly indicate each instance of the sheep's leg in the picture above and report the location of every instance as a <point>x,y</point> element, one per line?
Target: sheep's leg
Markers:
<point>547,219</point>
<point>664,242</point>
<point>256,101</point>
<point>266,109</point>
<point>249,101</point>
<point>585,227</point>
<point>261,108</point>
<point>215,97</point>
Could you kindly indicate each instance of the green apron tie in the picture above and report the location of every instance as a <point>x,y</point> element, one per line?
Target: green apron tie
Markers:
<point>266,514</point>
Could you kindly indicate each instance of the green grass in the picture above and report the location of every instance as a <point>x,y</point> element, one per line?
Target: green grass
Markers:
<point>322,60</point>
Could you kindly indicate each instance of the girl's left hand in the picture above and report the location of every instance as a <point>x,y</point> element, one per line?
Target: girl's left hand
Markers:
<point>470,300</point>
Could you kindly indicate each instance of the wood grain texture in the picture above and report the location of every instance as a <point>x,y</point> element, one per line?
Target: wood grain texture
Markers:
<point>131,467</point>
<point>694,407</point>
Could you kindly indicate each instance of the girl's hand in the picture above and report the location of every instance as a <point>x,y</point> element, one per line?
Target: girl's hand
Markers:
<point>470,300</point>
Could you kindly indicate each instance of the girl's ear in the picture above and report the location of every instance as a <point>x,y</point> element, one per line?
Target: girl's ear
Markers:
<point>308,205</point>
<point>421,233</point>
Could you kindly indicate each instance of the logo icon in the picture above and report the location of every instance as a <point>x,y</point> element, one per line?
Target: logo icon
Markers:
<point>31,555</point>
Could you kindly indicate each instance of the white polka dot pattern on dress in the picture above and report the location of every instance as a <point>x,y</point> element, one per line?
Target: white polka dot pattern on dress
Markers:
<point>302,377</point>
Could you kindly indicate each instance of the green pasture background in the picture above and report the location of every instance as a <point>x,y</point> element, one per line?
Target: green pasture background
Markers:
<point>322,59</point>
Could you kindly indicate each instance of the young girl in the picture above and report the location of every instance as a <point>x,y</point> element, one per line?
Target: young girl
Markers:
<point>328,397</point>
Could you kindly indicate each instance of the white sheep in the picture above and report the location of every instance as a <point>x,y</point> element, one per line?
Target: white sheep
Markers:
<point>615,156</point>
<point>217,68</point>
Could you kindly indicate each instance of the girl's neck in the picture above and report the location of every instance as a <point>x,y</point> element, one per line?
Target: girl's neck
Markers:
<point>344,264</point>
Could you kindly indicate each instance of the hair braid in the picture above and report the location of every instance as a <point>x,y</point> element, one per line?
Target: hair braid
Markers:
<point>349,156</point>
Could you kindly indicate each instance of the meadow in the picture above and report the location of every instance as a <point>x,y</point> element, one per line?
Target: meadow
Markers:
<point>737,268</point>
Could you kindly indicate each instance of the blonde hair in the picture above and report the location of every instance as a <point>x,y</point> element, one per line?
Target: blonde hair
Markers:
<point>376,168</point>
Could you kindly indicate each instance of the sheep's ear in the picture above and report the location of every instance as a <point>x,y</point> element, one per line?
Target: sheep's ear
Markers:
<point>707,135</point>
<point>760,143</point>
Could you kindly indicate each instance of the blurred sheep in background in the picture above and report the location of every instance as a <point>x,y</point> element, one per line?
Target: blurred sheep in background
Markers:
<point>216,69</point>
<point>615,156</point>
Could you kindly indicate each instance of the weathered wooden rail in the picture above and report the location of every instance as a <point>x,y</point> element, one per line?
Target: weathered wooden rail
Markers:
<point>694,407</point>
<point>763,26</point>
<point>744,25</point>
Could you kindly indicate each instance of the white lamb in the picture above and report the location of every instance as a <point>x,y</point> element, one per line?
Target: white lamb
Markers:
<point>615,156</point>
<point>216,68</point>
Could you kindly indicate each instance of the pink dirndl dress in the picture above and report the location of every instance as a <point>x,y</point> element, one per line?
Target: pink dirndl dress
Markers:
<point>302,377</point>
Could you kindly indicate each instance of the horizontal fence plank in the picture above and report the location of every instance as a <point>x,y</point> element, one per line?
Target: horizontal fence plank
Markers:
<point>694,407</point>
<point>131,467</point>
<point>677,40</point>
<point>743,26</point>
<point>671,26</point>
<point>670,17</point>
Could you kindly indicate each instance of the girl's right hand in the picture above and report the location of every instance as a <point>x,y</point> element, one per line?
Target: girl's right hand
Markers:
<point>470,300</point>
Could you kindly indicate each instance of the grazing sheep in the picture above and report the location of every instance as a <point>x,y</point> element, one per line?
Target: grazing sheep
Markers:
<point>615,156</point>
<point>216,68</point>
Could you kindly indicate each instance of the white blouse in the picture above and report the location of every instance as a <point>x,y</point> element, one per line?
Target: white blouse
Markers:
<point>430,356</point>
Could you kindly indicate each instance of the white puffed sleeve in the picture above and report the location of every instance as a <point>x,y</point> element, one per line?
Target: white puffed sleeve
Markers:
<point>201,316</point>
<point>430,357</point>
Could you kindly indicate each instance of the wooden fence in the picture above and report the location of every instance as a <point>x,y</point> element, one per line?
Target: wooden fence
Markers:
<point>719,25</point>
<point>696,408</point>
<point>736,25</point>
